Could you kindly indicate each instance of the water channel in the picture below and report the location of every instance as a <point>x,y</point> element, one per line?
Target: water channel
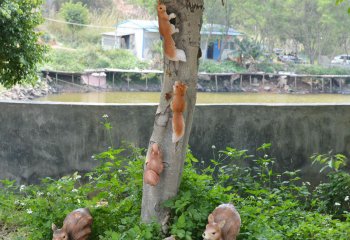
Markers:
<point>202,98</point>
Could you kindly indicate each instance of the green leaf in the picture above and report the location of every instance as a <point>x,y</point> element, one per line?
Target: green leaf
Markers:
<point>181,222</point>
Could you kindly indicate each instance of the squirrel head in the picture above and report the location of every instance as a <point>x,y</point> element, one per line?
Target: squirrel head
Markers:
<point>179,88</point>
<point>161,8</point>
<point>155,149</point>
<point>58,234</point>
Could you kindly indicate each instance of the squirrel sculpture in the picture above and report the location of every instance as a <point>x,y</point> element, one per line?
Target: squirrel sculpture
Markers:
<point>223,223</point>
<point>178,105</point>
<point>166,29</point>
<point>76,226</point>
<point>154,166</point>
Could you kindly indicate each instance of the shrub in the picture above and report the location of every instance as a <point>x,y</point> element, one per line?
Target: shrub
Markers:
<point>212,66</point>
<point>75,13</point>
<point>271,205</point>
<point>92,57</point>
<point>333,196</point>
<point>64,60</point>
<point>20,50</point>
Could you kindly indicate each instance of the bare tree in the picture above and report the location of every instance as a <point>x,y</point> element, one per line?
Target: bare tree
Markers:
<point>189,21</point>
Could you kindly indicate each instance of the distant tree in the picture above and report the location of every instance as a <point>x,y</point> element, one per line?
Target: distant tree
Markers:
<point>93,5</point>
<point>339,2</point>
<point>75,13</point>
<point>19,48</point>
<point>96,5</point>
<point>149,5</point>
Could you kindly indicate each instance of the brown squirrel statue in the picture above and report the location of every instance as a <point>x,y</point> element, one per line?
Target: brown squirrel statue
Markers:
<point>166,29</point>
<point>223,223</point>
<point>76,226</point>
<point>178,105</point>
<point>154,166</point>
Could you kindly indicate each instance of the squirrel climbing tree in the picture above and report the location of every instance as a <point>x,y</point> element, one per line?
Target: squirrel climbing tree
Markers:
<point>181,41</point>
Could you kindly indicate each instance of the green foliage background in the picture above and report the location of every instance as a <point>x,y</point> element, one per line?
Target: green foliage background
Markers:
<point>75,13</point>
<point>19,51</point>
<point>92,58</point>
<point>272,205</point>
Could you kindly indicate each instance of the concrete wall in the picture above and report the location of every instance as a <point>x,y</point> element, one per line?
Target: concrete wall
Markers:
<point>52,139</point>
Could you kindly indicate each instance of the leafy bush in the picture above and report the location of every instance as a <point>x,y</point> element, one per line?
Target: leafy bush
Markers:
<point>272,205</point>
<point>91,4</point>
<point>92,57</point>
<point>270,67</point>
<point>248,48</point>
<point>20,51</point>
<point>212,66</point>
<point>112,192</point>
<point>75,13</point>
<point>333,196</point>
<point>64,60</point>
<point>320,70</point>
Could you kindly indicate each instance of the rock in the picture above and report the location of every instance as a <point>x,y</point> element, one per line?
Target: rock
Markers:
<point>267,89</point>
<point>24,92</point>
<point>199,87</point>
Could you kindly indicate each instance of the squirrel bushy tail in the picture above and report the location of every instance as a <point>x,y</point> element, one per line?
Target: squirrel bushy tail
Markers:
<point>178,126</point>
<point>178,106</point>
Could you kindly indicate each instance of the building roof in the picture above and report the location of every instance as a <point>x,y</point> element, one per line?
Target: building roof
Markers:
<point>147,25</point>
<point>217,29</point>
<point>152,26</point>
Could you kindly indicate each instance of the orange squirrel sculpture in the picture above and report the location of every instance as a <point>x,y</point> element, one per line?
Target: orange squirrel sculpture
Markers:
<point>154,165</point>
<point>223,223</point>
<point>178,106</point>
<point>166,29</point>
<point>76,226</point>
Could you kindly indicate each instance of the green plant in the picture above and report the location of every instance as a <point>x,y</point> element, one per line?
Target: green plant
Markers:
<point>333,162</point>
<point>333,196</point>
<point>75,13</point>
<point>92,57</point>
<point>212,66</point>
<point>248,49</point>
<point>273,211</point>
<point>270,207</point>
<point>20,50</point>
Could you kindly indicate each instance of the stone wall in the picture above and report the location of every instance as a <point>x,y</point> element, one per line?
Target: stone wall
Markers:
<point>53,139</point>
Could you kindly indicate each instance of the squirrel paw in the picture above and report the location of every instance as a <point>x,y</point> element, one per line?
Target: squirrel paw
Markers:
<point>172,15</point>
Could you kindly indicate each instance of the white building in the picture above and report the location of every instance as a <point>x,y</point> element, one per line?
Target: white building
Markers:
<point>140,36</point>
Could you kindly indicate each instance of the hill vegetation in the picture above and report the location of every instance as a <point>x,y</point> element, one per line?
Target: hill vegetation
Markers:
<point>283,26</point>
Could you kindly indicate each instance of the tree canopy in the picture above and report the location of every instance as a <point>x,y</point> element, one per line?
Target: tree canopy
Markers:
<point>75,13</point>
<point>339,2</point>
<point>19,51</point>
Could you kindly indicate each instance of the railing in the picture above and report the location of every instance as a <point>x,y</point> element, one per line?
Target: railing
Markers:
<point>290,79</point>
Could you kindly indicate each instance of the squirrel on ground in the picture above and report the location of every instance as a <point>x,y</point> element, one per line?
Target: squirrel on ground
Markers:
<point>223,223</point>
<point>166,29</point>
<point>76,226</point>
<point>154,165</point>
<point>178,105</point>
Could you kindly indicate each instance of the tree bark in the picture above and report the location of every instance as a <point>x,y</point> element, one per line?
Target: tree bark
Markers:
<point>188,20</point>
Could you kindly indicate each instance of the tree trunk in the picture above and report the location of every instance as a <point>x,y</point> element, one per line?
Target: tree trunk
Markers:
<point>188,21</point>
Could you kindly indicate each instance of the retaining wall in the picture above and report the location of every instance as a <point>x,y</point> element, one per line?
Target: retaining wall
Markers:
<point>52,139</point>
